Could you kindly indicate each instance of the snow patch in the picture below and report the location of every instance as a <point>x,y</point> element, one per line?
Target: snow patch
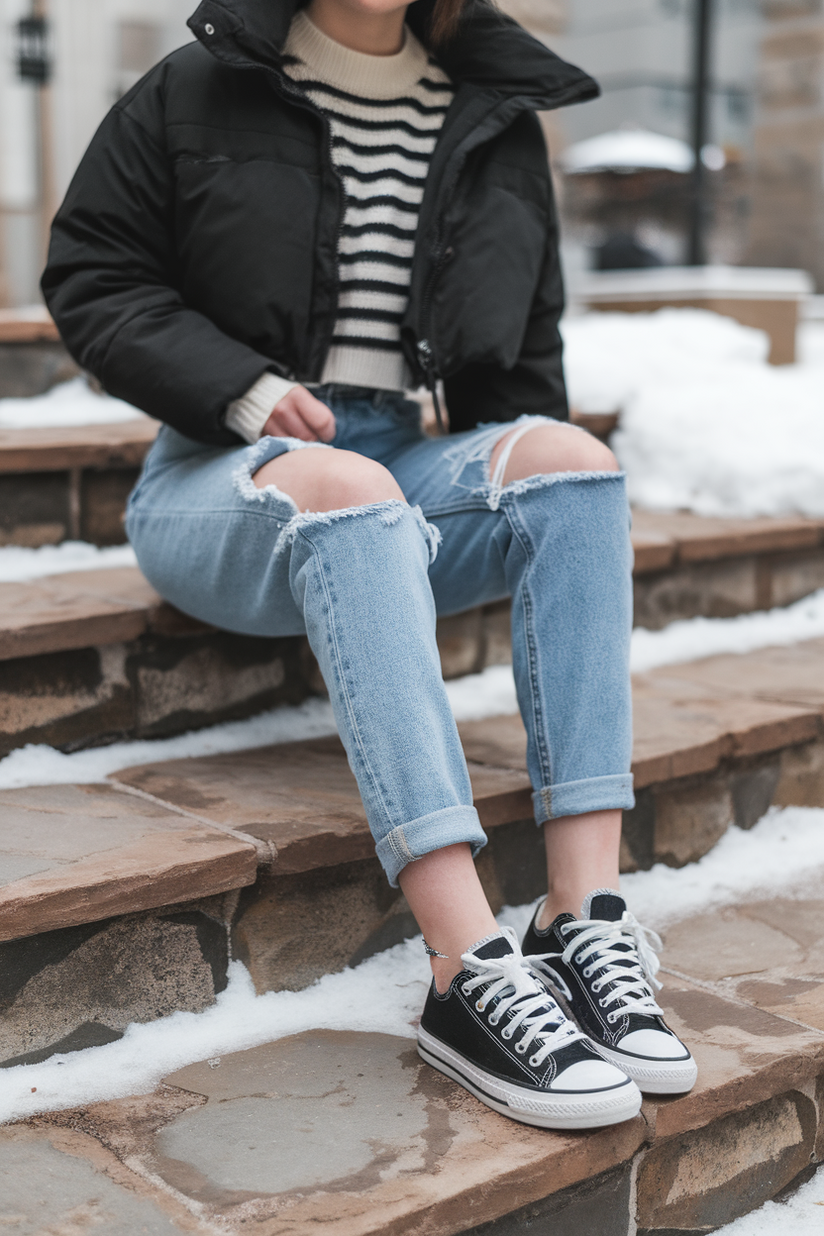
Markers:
<point>706,424</point>
<point>18,564</point>
<point>693,638</point>
<point>70,403</point>
<point>802,1214</point>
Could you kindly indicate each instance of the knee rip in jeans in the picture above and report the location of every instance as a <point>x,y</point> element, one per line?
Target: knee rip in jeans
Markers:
<point>388,512</point>
<point>470,462</point>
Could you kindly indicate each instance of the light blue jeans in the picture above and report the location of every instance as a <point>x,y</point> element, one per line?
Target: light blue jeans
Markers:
<point>365,585</point>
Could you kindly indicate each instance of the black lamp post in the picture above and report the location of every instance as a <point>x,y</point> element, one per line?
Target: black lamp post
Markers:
<point>699,205</point>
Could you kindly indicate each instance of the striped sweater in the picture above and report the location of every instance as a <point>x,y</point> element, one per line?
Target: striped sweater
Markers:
<point>385,115</point>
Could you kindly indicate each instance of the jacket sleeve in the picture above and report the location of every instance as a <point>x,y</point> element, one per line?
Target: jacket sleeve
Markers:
<point>535,384</point>
<point>111,285</point>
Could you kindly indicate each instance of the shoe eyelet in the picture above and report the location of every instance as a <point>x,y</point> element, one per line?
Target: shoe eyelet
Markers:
<point>520,1048</point>
<point>611,1018</point>
<point>506,1033</point>
<point>534,1061</point>
<point>465,989</point>
<point>588,971</point>
<point>601,1003</point>
<point>493,1020</point>
<point>580,959</point>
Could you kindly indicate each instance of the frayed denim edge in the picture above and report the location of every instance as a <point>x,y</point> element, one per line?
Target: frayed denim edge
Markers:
<point>388,513</point>
<point>515,489</point>
<point>256,456</point>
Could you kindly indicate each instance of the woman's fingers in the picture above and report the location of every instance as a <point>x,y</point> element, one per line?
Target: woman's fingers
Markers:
<point>300,415</point>
<point>317,416</point>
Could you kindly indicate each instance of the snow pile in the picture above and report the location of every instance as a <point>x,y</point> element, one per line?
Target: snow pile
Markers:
<point>18,564</point>
<point>693,638</point>
<point>69,403</point>
<point>386,993</point>
<point>706,424</point>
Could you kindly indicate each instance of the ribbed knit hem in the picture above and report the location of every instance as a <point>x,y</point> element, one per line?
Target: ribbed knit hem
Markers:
<point>247,415</point>
<point>376,77</point>
<point>384,371</point>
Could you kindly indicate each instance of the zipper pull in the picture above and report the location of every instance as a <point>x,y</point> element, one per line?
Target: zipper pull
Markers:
<point>426,356</point>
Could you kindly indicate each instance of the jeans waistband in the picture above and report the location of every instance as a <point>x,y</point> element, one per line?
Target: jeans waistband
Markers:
<point>369,394</point>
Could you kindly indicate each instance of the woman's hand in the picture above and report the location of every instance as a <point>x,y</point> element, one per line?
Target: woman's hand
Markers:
<point>300,415</point>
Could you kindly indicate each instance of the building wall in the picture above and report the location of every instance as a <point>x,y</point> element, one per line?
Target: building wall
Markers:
<point>787,225</point>
<point>641,53</point>
<point>100,48</point>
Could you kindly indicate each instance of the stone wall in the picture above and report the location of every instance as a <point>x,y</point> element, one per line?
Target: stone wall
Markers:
<point>787,224</point>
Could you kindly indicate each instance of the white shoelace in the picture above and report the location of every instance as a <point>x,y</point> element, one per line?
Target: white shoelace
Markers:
<point>631,969</point>
<point>529,1006</point>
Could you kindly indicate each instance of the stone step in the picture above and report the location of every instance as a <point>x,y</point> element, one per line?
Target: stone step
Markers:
<point>351,1132</point>
<point>98,655</point>
<point>284,873</point>
<point>70,483</point>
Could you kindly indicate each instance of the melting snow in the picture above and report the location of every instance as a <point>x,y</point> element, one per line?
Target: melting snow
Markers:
<point>69,403</point>
<point>706,424</point>
<point>18,564</point>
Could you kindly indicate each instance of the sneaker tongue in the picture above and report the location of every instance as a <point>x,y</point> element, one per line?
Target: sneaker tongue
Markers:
<point>498,945</point>
<point>604,904</point>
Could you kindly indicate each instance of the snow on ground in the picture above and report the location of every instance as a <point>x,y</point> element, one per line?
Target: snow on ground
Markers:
<point>18,564</point>
<point>802,1214</point>
<point>706,424</point>
<point>386,993</point>
<point>692,638</point>
<point>69,403</point>
<point>489,694</point>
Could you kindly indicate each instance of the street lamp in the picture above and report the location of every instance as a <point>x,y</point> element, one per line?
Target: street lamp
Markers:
<point>699,206</point>
<point>34,65</point>
<point>33,58</point>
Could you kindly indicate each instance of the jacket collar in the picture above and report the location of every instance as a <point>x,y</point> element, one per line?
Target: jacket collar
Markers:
<point>492,51</point>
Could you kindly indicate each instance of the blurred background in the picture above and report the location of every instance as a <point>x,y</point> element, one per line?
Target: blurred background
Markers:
<point>624,164</point>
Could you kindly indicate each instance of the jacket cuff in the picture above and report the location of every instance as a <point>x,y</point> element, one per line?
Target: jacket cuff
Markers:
<point>247,416</point>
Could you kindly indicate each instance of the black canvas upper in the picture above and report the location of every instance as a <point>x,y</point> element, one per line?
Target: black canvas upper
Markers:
<point>575,988</point>
<point>453,1018</point>
<point>197,245</point>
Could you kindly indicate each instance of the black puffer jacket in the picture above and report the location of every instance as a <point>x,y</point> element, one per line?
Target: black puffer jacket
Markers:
<point>196,248</point>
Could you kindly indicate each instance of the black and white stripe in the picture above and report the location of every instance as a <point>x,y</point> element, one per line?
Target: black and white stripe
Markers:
<point>382,144</point>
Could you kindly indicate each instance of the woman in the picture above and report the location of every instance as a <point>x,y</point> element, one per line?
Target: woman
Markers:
<point>281,228</point>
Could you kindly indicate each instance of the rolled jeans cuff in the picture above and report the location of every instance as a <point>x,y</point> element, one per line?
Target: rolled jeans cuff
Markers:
<point>577,797</point>
<point>430,832</point>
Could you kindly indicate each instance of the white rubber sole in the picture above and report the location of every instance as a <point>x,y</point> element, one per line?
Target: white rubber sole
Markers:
<point>581,1110</point>
<point>662,1077</point>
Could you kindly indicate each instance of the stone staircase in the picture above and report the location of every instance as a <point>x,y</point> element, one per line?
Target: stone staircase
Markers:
<point>123,901</point>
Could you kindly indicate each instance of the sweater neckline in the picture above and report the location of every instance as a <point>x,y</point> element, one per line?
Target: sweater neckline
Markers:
<point>377,77</point>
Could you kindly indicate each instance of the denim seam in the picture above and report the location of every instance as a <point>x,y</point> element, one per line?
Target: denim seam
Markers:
<point>544,756</point>
<point>396,840</point>
<point>344,686</point>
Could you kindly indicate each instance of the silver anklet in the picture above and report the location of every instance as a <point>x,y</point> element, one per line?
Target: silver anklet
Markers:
<point>433,952</point>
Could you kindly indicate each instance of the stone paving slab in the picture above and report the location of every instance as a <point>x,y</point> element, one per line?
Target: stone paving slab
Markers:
<point>700,538</point>
<point>301,798</point>
<point>78,854</point>
<point>793,674</point>
<point>351,1132</point>
<point>77,610</point>
<point>56,1182</point>
<point>123,444</point>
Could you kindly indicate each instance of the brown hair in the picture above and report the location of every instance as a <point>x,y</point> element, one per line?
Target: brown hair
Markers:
<point>445,21</point>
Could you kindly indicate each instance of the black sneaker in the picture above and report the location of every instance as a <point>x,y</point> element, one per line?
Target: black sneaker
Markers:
<point>499,1033</point>
<point>602,967</point>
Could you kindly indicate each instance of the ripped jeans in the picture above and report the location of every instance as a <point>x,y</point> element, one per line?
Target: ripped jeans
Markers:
<point>365,585</point>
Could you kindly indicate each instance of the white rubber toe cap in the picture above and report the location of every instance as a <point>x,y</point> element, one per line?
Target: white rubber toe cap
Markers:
<point>589,1075</point>
<point>653,1045</point>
